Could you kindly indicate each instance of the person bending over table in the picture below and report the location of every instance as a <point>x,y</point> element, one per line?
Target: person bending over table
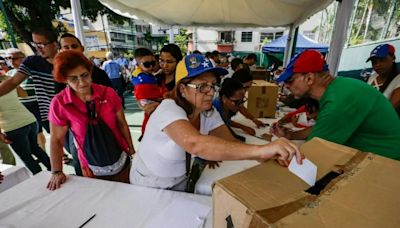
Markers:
<point>96,118</point>
<point>351,112</point>
<point>231,99</point>
<point>186,121</point>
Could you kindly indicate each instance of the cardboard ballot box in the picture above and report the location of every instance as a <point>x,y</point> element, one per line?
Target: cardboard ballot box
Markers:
<point>262,99</point>
<point>354,189</point>
<point>260,74</point>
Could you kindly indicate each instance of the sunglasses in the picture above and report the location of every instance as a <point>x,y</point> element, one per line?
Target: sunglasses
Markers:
<point>149,64</point>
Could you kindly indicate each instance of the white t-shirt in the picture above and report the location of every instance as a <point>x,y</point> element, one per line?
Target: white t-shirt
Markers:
<point>161,155</point>
<point>394,84</point>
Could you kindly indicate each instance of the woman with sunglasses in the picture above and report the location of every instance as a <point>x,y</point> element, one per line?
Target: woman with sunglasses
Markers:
<point>186,124</point>
<point>95,116</point>
<point>231,99</point>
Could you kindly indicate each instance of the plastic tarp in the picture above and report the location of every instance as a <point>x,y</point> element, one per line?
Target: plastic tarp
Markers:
<point>303,43</point>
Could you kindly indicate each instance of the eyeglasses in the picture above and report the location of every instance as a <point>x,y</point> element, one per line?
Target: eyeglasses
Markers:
<point>239,102</point>
<point>204,87</point>
<point>40,45</point>
<point>166,62</point>
<point>75,79</point>
<point>149,64</point>
<point>13,58</point>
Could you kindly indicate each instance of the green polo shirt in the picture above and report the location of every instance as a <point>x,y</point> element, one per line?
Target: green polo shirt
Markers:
<point>357,115</point>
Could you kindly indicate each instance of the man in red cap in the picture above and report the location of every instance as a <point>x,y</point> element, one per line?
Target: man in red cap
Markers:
<point>386,77</point>
<point>351,112</point>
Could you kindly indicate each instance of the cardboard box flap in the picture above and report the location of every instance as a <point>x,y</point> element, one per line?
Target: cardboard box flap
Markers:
<point>249,186</point>
<point>326,155</point>
<point>366,196</point>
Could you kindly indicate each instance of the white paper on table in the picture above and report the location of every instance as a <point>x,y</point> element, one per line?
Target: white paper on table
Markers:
<point>182,212</point>
<point>307,171</point>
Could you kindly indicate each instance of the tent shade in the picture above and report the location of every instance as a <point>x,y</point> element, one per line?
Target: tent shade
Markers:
<point>303,43</point>
<point>219,13</point>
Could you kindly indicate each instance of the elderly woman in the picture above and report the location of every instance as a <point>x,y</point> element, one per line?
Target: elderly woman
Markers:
<point>96,118</point>
<point>187,122</point>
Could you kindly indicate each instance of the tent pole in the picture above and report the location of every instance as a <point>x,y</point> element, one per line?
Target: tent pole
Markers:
<point>289,45</point>
<point>339,35</point>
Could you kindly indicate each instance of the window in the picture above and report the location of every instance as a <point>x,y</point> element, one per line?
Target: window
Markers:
<point>278,35</point>
<point>138,28</point>
<point>117,37</point>
<point>266,35</point>
<point>226,37</point>
<point>247,36</point>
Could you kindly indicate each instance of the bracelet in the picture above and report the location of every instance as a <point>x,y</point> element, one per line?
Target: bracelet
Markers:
<point>56,172</point>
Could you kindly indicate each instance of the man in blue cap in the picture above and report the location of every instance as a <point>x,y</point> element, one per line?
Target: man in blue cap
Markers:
<point>351,112</point>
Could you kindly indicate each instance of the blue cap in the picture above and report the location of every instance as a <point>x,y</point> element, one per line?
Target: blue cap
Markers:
<point>194,65</point>
<point>381,51</point>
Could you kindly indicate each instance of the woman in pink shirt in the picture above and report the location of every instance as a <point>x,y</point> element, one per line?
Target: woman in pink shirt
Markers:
<point>95,115</point>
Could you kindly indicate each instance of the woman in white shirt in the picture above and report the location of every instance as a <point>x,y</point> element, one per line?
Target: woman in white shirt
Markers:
<point>187,122</point>
<point>386,77</point>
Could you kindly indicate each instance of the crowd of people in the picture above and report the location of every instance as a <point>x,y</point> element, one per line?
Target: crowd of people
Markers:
<point>189,103</point>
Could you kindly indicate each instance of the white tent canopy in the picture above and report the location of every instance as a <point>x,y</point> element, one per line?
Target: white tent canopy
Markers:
<point>239,14</point>
<point>217,13</point>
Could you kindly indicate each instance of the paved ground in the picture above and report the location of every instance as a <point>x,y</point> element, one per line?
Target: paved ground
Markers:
<point>134,117</point>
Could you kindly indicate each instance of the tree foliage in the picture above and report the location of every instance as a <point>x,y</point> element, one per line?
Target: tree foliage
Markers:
<point>26,15</point>
<point>374,20</point>
<point>182,40</point>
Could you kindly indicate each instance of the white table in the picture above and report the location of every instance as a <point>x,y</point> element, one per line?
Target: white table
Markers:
<point>13,175</point>
<point>30,204</point>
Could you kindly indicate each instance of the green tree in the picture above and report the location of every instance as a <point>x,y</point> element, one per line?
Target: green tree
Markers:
<point>182,40</point>
<point>26,15</point>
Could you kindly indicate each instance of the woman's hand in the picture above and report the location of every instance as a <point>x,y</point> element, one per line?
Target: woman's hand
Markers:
<point>280,131</point>
<point>283,151</point>
<point>267,137</point>
<point>258,123</point>
<point>56,180</point>
<point>212,164</point>
<point>249,130</point>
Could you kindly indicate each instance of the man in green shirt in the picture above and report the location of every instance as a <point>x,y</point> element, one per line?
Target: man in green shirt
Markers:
<point>351,113</point>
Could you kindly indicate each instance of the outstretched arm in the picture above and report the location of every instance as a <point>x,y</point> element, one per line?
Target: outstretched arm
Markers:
<point>12,83</point>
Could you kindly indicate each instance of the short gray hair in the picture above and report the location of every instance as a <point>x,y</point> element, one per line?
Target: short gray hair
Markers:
<point>109,55</point>
<point>12,51</point>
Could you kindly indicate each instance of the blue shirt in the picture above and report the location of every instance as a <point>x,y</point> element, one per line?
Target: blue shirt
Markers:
<point>112,69</point>
<point>218,105</point>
